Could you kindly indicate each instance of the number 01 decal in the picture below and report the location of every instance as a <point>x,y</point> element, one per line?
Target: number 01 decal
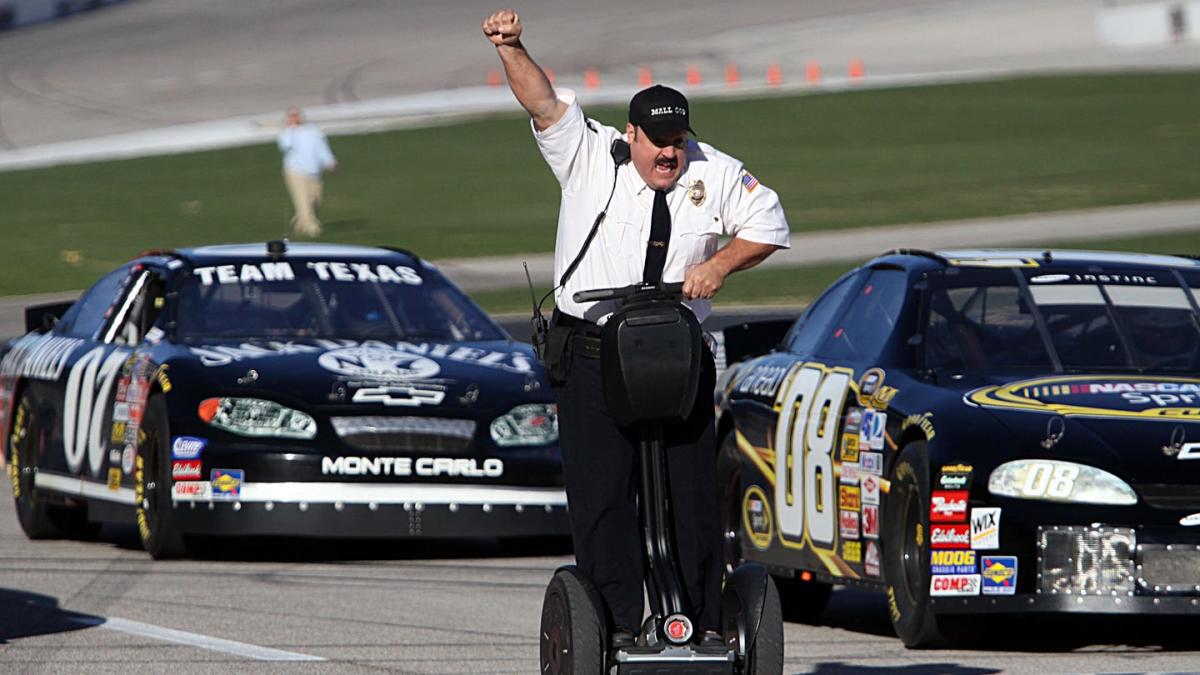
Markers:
<point>810,407</point>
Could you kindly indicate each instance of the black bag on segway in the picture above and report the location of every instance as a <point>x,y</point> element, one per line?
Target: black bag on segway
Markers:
<point>650,351</point>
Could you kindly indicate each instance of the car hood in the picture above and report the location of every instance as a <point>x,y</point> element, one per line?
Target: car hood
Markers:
<point>1139,426</point>
<point>395,374</point>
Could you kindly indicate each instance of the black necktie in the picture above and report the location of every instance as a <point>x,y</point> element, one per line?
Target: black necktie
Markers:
<point>660,236</point>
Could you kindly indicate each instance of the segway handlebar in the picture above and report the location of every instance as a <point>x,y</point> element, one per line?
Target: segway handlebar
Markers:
<point>675,288</point>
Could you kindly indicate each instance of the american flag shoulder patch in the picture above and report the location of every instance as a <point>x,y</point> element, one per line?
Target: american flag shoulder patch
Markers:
<point>749,181</point>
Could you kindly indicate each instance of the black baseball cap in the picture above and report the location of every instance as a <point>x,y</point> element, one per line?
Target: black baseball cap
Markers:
<point>659,110</point>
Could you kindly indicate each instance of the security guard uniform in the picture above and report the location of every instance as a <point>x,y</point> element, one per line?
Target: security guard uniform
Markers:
<point>714,196</point>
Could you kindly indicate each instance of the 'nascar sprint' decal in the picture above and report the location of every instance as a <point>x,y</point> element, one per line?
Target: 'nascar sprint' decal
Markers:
<point>1096,396</point>
<point>409,466</point>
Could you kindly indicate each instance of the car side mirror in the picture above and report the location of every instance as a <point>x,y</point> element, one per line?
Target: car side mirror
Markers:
<point>49,321</point>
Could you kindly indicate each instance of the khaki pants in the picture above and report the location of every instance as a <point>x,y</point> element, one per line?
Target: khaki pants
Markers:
<point>306,197</point>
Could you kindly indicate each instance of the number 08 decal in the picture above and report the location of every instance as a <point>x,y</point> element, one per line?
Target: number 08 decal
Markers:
<point>810,407</point>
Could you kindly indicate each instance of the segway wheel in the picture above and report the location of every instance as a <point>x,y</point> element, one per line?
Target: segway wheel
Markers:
<point>573,638</point>
<point>765,656</point>
<point>752,620</point>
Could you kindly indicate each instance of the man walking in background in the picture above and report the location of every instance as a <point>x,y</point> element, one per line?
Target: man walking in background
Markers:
<point>306,156</point>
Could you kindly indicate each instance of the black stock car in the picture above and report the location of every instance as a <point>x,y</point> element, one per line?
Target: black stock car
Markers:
<point>976,432</point>
<point>264,390</point>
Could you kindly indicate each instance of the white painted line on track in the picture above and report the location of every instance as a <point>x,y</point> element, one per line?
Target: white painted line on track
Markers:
<point>202,641</point>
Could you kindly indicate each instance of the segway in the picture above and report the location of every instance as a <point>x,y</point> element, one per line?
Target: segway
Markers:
<point>651,350</point>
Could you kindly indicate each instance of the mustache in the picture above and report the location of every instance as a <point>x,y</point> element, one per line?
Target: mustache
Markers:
<point>663,161</point>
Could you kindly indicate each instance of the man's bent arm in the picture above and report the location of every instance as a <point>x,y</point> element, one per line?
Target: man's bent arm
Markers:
<point>705,279</point>
<point>526,79</point>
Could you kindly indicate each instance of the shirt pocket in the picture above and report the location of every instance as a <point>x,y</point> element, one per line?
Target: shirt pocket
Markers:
<point>622,239</point>
<point>698,237</point>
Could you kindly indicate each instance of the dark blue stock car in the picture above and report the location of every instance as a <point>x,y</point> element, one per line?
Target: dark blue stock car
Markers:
<point>976,432</point>
<point>310,390</point>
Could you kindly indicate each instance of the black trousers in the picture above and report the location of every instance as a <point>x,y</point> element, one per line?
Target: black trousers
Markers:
<point>600,462</point>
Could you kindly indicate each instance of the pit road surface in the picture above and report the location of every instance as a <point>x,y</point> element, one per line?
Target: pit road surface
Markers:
<point>457,607</point>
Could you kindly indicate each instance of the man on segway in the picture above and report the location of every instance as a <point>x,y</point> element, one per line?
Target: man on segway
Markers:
<point>646,204</point>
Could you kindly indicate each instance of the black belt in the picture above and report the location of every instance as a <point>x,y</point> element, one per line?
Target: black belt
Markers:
<point>585,335</point>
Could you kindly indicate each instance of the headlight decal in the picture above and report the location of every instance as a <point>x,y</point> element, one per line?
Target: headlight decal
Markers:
<point>257,418</point>
<point>1059,481</point>
<point>526,424</point>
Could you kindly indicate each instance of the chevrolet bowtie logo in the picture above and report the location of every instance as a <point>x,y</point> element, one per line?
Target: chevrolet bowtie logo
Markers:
<point>657,244</point>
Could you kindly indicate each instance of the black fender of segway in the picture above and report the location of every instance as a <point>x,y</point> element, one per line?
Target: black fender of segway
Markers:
<point>745,596</point>
<point>593,595</point>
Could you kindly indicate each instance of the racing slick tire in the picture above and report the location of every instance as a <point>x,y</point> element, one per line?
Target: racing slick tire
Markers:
<point>801,601</point>
<point>38,518</point>
<point>573,636</point>
<point>154,511</point>
<point>905,549</point>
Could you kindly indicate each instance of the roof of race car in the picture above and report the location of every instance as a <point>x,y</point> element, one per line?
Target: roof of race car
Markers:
<point>224,252</point>
<point>1014,257</point>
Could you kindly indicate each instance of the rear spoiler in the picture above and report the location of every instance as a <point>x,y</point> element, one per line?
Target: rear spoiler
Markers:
<point>746,340</point>
<point>41,318</point>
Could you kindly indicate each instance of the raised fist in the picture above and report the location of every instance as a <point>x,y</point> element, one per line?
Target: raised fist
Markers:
<point>503,27</point>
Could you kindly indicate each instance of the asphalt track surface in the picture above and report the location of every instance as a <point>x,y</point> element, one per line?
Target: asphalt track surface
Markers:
<point>442,607</point>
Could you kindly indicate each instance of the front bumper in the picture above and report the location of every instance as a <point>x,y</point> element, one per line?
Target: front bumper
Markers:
<point>277,488</point>
<point>350,510</point>
<point>1033,603</point>
<point>1093,569</point>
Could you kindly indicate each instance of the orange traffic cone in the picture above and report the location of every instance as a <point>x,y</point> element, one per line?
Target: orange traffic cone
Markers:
<point>813,72</point>
<point>591,78</point>
<point>645,79</point>
<point>693,75</point>
<point>493,78</point>
<point>856,69</point>
<point>774,75</point>
<point>732,77</point>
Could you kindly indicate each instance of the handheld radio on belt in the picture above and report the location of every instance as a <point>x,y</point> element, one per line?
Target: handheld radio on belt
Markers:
<point>620,154</point>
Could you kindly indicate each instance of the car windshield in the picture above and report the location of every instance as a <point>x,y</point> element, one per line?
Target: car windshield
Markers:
<point>1137,320</point>
<point>352,299</point>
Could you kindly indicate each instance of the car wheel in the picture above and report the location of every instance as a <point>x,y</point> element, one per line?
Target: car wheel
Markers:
<point>154,510</point>
<point>38,519</point>
<point>905,549</point>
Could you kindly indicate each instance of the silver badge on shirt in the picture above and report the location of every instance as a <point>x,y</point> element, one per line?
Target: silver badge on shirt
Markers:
<point>696,192</point>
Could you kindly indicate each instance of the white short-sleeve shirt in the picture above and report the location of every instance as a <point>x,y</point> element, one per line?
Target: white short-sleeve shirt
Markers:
<point>714,196</point>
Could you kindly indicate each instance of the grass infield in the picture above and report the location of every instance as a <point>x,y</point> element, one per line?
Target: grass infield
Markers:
<point>479,187</point>
<point>797,286</point>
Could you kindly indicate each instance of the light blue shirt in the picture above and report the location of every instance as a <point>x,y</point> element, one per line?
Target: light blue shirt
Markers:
<point>305,150</point>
